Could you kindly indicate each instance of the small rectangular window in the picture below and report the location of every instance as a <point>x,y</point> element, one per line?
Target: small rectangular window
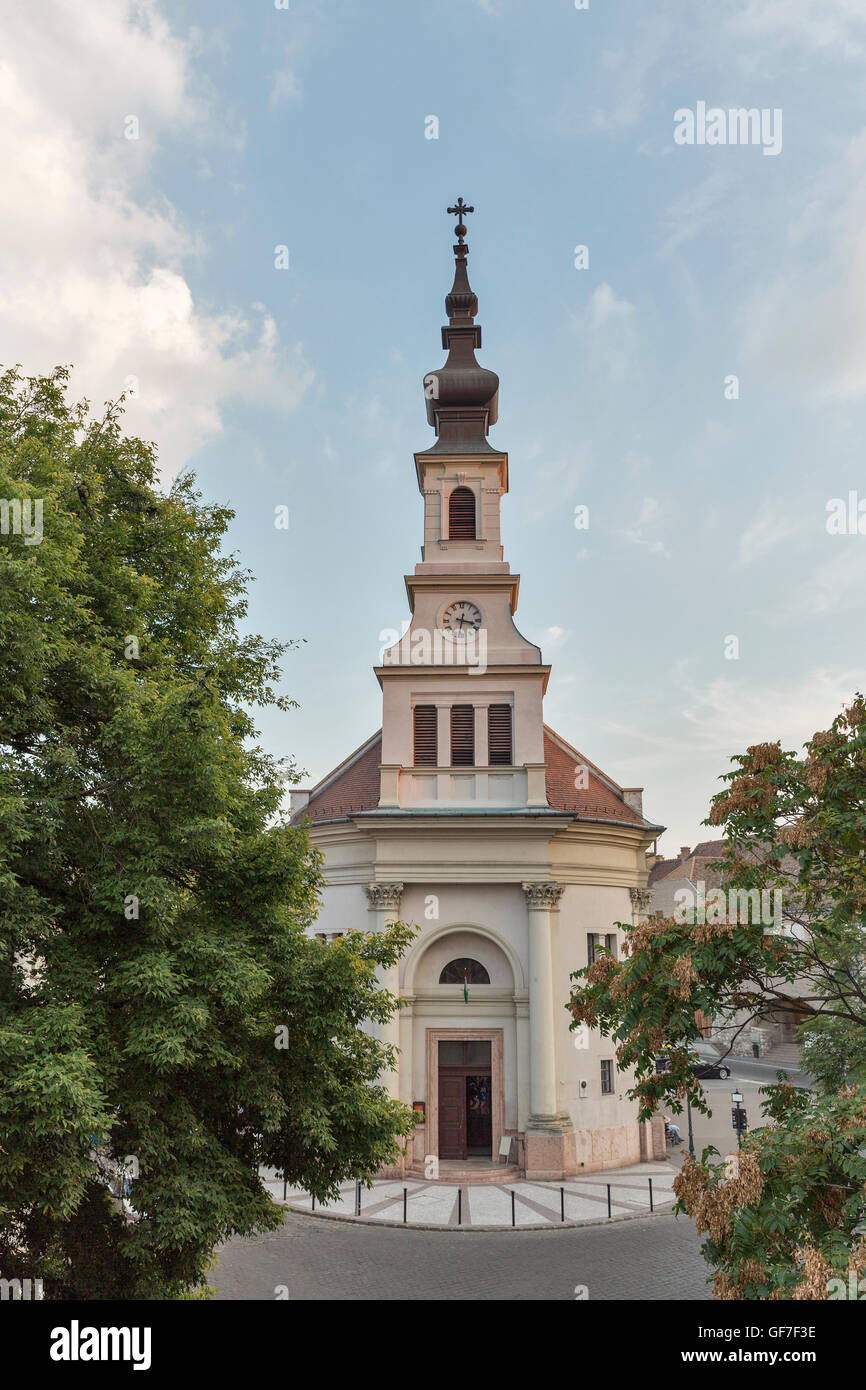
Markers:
<point>499,735</point>
<point>593,941</point>
<point>607,1077</point>
<point>610,943</point>
<point>462,736</point>
<point>425,717</point>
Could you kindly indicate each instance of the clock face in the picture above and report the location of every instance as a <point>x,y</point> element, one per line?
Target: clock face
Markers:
<point>461,617</point>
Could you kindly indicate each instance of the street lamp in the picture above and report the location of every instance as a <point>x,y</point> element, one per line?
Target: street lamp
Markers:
<point>738,1115</point>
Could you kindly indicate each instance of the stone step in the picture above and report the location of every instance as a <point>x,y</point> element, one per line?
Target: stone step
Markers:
<point>457,1174</point>
<point>782,1054</point>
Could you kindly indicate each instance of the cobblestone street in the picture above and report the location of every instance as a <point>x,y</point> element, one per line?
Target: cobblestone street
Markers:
<point>656,1258</point>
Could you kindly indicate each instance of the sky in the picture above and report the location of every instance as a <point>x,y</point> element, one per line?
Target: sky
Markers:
<point>695,379</point>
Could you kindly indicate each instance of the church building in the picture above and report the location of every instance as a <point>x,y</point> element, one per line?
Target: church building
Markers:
<point>468,817</point>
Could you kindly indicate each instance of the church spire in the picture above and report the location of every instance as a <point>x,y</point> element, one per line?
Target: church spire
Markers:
<point>462,396</point>
<point>461,305</point>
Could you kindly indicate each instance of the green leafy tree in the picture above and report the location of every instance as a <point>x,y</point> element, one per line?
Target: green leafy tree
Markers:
<point>795,826</point>
<point>786,1217</point>
<point>833,1052</point>
<point>164,1019</point>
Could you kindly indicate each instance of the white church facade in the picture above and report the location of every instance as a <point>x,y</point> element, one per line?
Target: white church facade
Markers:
<point>466,816</point>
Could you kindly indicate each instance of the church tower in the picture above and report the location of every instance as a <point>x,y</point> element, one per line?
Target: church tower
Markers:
<point>467,816</point>
<point>462,690</point>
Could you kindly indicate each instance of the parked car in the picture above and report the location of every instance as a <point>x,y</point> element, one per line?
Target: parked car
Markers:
<point>706,1064</point>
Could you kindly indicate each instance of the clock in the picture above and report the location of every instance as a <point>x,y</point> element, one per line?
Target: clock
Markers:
<point>460,618</point>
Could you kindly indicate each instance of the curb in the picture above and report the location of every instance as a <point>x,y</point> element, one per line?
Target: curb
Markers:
<point>663,1209</point>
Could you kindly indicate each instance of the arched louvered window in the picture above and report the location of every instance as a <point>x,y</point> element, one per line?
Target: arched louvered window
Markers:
<point>461,515</point>
<point>464,971</point>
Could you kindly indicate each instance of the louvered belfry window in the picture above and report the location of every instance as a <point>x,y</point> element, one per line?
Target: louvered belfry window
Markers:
<point>461,515</point>
<point>425,735</point>
<point>462,736</point>
<point>499,735</point>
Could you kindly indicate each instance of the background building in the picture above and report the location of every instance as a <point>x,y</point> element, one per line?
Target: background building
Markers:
<point>746,1034</point>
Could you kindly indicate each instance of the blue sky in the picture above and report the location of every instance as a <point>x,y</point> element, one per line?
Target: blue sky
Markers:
<point>153,258</point>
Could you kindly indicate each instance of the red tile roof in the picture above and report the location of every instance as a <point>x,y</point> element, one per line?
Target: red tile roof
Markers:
<point>354,785</point>
<point>600,799</point>
<point>692,866</point>
<point>351,787</point>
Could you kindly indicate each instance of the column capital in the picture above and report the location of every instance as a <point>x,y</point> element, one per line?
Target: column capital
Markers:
<point>641,900</point>
<point>384,895</point>
<point>543,895</point>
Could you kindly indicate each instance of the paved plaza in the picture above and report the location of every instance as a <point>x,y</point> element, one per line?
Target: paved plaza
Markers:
<point>489,1205</point>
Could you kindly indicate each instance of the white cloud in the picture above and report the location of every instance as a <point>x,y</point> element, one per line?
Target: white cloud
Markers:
<point>769,530</point>
<point>839,25</point>
<point>837,585</point>
<point>608,331</point>
<point>552,637</point>
<point>93,266</point>
<point>694,210</point>
<point>640,531</point>
<point>626,71</point>
<point>730,713</point>
<point>284,87</point>
<point>810,319</point>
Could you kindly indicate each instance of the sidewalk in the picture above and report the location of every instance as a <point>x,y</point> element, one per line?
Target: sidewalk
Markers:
<point>488,1206</point>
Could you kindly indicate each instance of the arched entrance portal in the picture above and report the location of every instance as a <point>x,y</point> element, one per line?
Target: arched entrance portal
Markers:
<point>466,992</point>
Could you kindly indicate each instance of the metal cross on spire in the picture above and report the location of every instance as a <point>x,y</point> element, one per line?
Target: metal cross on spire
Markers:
<point>457,211</point>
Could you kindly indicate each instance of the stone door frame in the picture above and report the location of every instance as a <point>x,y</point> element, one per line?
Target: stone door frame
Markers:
<point>496,1038</point>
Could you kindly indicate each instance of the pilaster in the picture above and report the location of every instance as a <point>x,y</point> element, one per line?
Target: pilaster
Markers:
<point>548,1128</point>
<point>383,900</point>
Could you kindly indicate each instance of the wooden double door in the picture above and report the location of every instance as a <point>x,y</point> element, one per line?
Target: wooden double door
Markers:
<point>465,1107</point>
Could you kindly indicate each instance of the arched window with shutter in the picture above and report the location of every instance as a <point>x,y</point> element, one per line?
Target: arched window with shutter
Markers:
<point>461,515</point>
<point>464,971</point>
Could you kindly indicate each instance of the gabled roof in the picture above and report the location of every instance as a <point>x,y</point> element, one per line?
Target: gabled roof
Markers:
<point>353,786</point>
<point>601,799</point>
<point>692,866</point>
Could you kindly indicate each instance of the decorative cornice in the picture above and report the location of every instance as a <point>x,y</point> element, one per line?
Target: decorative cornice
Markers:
<point>543,895</point>
<point>384,895</point>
